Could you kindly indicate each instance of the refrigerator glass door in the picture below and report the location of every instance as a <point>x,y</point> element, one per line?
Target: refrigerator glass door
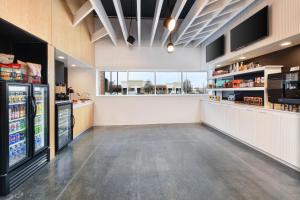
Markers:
<point>64,125</point>
<point>18,123</point>
<point>40,120</point>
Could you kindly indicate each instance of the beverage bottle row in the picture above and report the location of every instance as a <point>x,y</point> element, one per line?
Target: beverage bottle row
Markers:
<point>17,151</point>
<point>39,108</point>
<point>38,141</point>
<point>17,97</point>
<point>16,111</point>
<point>17,125</point>
<point>16,137</point>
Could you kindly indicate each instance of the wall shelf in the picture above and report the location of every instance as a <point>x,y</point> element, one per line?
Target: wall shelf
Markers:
<point>258,69</point>
<point>238,89</point>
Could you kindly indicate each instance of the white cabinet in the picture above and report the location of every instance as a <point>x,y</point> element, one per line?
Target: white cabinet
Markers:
<point>276,133</point>
<point>247,125</point>
<point>290,138</point>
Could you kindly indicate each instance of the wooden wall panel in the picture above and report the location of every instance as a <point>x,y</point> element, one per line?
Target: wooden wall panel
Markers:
<point>51,79</point>
<point>87,49</point>
<point>65,37</point>
<point>284,22</point>
<point>84,119</point>
<point>33,16</point>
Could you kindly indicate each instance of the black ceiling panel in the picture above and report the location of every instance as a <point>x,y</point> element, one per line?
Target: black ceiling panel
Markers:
<point>148,8</point>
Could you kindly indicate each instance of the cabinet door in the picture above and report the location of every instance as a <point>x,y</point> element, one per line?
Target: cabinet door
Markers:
<point>247,125</point>
<point>263,134</point>
<point>290,138</point>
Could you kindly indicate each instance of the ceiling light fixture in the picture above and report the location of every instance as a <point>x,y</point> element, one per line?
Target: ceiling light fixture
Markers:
<point>130,38</point>
<point>285,44</point>
<point>61,57</point>
<point>170,46</point>
<point>242,58</point>
<point>218,65</point>
<point>73,65</point>
<point>170,23</point>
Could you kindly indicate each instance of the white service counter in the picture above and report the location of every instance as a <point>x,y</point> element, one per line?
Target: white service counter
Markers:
<point>273,132</point>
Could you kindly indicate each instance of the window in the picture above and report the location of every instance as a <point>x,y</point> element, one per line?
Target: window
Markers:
<point>168,82</point>
<point>151,83</point>
<point>194,82</point>
<point>113,83</point>
<point>140,83</point>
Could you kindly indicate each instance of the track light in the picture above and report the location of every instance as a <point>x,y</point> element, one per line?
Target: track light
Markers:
<point>130,40</point>
<point>170,23</point>
<point>170,47</point>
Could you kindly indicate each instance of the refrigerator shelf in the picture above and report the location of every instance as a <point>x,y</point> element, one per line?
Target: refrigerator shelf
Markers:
<point>17,103</point>
<point>13,132</point>
<point>18,119</point>
<point>14,144</point>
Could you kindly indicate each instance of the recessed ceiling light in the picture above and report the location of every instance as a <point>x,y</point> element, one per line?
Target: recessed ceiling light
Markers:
<point>218,65</point>
<point>73,65</point>
<point>61,57</point>
<point>242,58</point>
<point>285,44</point>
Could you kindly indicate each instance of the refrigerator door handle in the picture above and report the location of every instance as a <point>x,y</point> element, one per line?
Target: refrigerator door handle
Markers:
<point>73,121</point>
<point>34,106</point>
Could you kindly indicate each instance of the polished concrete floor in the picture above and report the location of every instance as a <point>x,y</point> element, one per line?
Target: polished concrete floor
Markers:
<point>160,162</point>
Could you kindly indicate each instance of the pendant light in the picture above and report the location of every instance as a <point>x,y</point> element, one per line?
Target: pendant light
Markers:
<point>169,22</point>
<point>130,39</point>
<point>170,46</point>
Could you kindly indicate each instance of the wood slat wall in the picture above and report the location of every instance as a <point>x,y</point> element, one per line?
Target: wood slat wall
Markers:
<point>51,20</point>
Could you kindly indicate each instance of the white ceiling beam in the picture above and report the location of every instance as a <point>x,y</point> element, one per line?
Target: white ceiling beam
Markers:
<point>158,8</point>
<point>82,12</point>
<point>235,12</point>
<point>98,7</point>
<point>175,15</point>
<point>189,19</point>
<point>97,35</point>
<point>121,19</point>
<point>138,16</point>
<point>222,4</point>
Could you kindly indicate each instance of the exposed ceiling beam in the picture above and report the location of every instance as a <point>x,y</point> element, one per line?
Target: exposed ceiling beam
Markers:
<point>98,7</point>
<point>216,10</point>
<point>138,16</point>
<point>234,12</point>
<point>189,19</point>
<point>175,15</point>
<point>98,34</point>
<point>82,12</point>
<point>121,19</point>
<point>158,8</point>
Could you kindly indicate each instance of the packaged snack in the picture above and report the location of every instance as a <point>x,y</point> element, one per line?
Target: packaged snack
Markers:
<point>23,66</point>
<point>6,58</point>
<point>34,69</point>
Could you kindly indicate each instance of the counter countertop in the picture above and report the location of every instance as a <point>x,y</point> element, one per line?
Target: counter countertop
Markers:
<point>82,104</point>
<point>252,107</point>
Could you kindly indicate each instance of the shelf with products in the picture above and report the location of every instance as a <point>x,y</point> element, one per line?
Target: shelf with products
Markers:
<point>242,84</point>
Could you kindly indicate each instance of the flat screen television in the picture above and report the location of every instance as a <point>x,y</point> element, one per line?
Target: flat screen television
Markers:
<point>215,49</point>
<point>251,30</point>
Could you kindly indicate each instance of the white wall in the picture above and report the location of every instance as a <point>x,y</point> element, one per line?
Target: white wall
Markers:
<point>135,110</point>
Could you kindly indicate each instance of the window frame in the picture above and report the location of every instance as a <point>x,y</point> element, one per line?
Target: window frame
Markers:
<point>98,83</point>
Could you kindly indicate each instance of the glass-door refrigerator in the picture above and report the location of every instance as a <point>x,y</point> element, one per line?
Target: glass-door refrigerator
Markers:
<point>18,158</point>
<point>40,122</point>
<point>64,125</point>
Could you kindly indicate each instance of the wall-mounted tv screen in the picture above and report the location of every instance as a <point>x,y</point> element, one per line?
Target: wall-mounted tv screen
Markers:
<point>251,30</point>
<point>215,49</point>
